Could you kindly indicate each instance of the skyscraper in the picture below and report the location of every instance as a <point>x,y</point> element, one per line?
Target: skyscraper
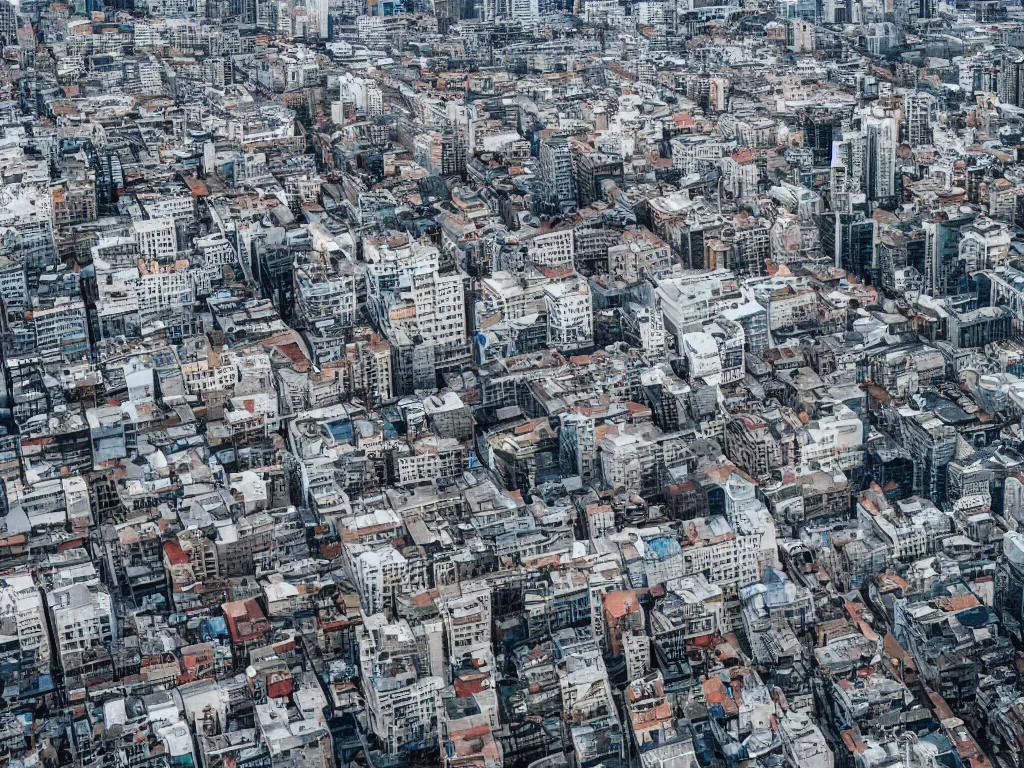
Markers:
<point>856,245</point>
<point>8,24</point>
<point>942,251</point>
<point>847,171</point>
<point>917,107</point>
<point>1009,78</point>
<point>819,133</point>
<point>319,18</point>
<point>557,174</point>
<point>880,168</point>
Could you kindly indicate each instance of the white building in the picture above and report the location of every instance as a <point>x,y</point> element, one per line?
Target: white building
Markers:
<point>156,238</point>
<point>378,575</point>
<point>209,373</point>
<point>702,357</point>
<point>21,609</point>
<point>82,617</point>
<point>325,291</point>
<point>175,207</point>
<point>917,108</point>
<point>403,705</point>
<point>730,556</point>
<point>441,308</point>
<point>907,539</point>
<point>467,622</point>
<point>570,316</point>
<point>61,326</point>
<point>984,244</point>
<point>416,467</point>
<point>553,248</point>
<point>835,441</point>
<point>362,92</point>
<point>160,290</point>
<point>215,250</point>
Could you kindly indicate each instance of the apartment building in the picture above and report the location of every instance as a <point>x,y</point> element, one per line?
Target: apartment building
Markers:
<point>570,318</point>
<point>379,574</point>
<point>403,704</point>
<point>156,238</point>
<point>82,618</point>
<point>23,615</point>
<point>467,622</point>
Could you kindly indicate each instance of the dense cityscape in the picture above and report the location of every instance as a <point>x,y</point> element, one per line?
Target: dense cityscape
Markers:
<point>512,384</point>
